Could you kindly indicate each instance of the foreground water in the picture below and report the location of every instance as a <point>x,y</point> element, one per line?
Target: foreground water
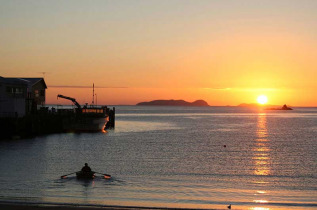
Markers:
<point>173,157</point>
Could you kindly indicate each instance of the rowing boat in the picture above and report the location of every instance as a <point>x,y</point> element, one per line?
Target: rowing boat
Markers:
<point>85,175</point>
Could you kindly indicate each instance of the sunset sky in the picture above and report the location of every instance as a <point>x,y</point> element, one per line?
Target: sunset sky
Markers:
<point>224,52</point>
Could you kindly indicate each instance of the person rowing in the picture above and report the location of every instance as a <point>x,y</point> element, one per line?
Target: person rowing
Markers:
<point>86,168</point>
<point>86,173</point>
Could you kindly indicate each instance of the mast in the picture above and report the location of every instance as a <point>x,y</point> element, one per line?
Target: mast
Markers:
<point>93,93</point>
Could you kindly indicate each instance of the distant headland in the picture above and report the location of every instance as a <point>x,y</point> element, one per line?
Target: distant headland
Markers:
<point>173,103</point>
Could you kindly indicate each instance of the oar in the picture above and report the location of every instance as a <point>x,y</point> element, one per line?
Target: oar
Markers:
<point>106,176</point>
<point>65,176</point>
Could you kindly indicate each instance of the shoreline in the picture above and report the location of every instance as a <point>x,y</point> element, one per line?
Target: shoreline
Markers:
<point>34,206</point>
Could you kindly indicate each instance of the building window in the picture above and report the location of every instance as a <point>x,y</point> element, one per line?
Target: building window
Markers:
<point>43,93</point>
<point>36,92</point>
<point>19,90</point>
<point>14,90</point>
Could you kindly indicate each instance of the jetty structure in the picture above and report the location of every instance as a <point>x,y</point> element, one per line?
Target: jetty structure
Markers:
<point>86,118</point>
<point>23,112</point>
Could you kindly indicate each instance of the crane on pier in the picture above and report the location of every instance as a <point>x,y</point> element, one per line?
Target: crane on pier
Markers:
<point>71,99</point>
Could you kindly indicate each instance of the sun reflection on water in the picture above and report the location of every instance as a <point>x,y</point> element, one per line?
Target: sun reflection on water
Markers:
<point>260,201</point>
<point>259,208</point>
<point>262,159</point>
<point>262,147</point>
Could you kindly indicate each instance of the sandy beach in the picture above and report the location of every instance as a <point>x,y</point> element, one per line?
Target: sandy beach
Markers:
<point>14,206</point>
<point>9,206</point>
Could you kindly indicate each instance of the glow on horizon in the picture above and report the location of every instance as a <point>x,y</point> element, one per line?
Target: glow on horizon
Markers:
<point>262,99</point>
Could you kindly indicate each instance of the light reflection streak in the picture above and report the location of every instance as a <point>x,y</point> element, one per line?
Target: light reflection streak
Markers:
<point>260,201</point>
<point>262,147</point>
<point>259,208</point>
<point>261,158</point>
<point>261,182</point>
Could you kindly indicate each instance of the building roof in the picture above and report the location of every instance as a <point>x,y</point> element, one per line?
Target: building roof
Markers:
<point>34,81</point>
<point>13,81</point>
<point>26,81</point>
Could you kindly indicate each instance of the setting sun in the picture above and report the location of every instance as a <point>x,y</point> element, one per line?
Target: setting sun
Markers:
<point>262,99</point>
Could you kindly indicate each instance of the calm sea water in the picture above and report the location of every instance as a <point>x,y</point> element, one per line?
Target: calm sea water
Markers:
<point>173,157</point>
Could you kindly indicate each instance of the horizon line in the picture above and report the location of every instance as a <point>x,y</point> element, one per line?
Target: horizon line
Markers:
<point>176,106</point>
<point>79,86</point>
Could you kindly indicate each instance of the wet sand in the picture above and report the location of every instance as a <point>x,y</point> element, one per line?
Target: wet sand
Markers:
<point>12,206</point>
<point>61,207</point>
<point>58,207</point>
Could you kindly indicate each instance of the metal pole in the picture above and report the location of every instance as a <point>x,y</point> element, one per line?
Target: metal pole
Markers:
<point>93,93</point>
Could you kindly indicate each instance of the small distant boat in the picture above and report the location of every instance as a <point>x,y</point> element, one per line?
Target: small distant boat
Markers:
<point>284,107</point>
<point>85,175</point>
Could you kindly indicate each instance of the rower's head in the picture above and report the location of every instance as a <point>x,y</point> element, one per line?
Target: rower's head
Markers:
<point>86,164</point>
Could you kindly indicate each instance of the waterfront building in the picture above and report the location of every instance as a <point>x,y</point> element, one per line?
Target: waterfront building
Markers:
<point>19,96</point>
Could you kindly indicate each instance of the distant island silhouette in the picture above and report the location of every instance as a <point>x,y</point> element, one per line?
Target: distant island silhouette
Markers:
<point>173,103</point>
<point>284,107</point>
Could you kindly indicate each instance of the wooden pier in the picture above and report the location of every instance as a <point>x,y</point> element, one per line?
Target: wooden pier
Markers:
<point>43,122</point>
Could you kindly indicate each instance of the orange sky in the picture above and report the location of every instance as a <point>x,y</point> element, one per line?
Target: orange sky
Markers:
<point>225,52</point>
